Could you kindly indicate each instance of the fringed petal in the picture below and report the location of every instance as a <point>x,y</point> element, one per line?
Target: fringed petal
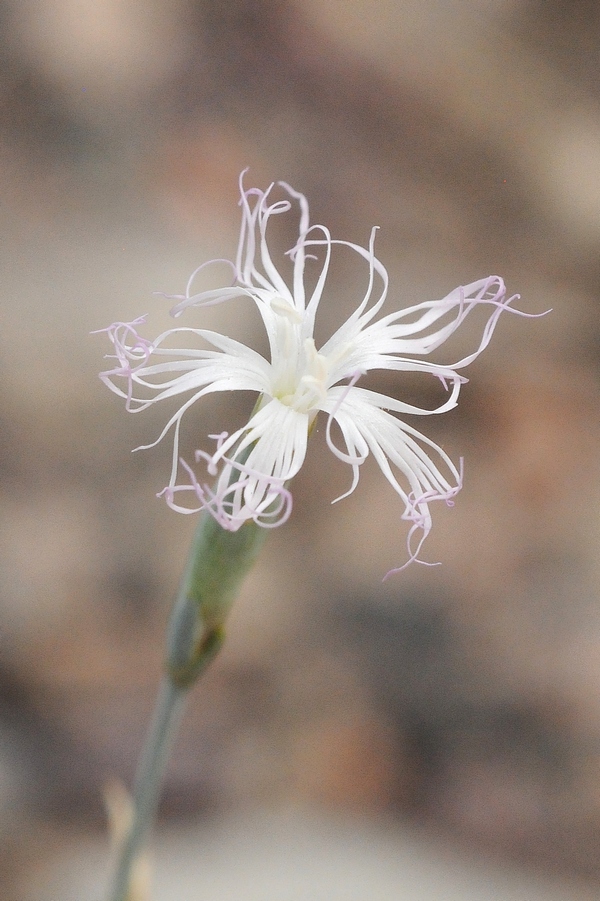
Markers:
<point>366,427</point>
<point>253,466</point>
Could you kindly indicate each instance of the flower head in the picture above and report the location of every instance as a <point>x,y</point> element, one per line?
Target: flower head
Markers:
<point>253,466</point>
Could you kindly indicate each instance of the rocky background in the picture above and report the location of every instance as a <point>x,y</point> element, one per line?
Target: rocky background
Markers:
<point>463,698</point>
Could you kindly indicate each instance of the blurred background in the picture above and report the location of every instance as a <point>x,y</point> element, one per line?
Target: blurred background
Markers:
<point>458,705</point>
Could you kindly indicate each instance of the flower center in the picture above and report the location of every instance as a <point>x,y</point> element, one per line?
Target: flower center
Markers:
<point>309,387</point>
<point>299,371</point>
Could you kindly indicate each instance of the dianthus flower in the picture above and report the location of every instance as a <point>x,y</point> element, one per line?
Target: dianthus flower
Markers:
<point>253,466</point>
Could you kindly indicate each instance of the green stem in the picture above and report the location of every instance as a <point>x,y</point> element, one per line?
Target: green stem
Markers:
<point>218,562</point>
<point>167,716</point>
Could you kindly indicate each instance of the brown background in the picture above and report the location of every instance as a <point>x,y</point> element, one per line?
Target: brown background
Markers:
<point>464,697</point>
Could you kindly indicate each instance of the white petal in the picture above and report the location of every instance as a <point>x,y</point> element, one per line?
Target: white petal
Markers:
<point>394,443</point>
<point>344,397</point>
<point>276,438</point>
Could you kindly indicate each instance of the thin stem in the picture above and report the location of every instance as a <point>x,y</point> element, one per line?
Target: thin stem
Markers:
<point>218,562</point>
<point>167,716</point>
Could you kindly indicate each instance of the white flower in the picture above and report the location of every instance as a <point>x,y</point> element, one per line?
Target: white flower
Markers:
<point>254,465</point>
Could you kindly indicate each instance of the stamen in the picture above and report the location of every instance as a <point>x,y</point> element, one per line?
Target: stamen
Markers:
<point>284,308</point>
